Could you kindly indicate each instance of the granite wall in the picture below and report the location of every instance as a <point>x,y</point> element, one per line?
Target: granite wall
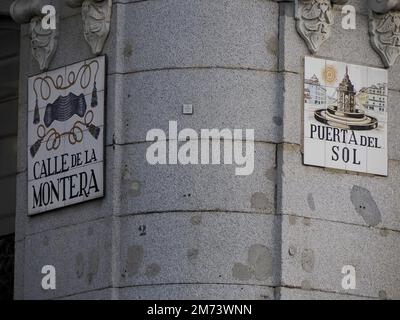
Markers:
<point>199,231</point>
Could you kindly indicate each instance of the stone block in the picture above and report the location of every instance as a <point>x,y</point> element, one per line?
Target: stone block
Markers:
<point>299,294</point>
<point>197,291</point>
<point>319,193</point>
<point>80,255</point>
<point>220,98</point>
<point>196,34</point>
<point>146,188</point>
<point>197,247</point>
<point>314,254</point>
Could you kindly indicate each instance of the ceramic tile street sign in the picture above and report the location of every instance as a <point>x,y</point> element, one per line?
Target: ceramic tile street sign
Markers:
<point>65,136</point>
<point>345,116</point>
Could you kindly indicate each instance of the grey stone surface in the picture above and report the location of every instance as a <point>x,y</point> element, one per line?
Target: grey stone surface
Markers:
<point>172,248</point>
<point>200,232</point>
<point>221,99</point>
<point>80,254</point>
<point>198,292</point>
<point>292,102</point>
<point>393,128</point>
<point>19,270</point>
<point>101,294</point>
<point>361,7</point>
<point>331,193</point>
<point>158,188</point>
<point>299,294</point>
<point>323,248</point>
<point>194,33</point>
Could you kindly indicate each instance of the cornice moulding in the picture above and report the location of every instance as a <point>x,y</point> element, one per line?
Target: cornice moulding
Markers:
<point>22,11</point>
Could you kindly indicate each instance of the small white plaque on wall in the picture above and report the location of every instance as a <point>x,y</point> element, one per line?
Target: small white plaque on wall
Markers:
<point>345,116</point>
<point>66,136</point>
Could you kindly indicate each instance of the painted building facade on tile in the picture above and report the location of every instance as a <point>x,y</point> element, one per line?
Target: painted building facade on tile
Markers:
<point>322,198</point>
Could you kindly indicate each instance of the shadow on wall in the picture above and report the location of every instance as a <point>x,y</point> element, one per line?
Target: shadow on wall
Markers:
<point>7,267</point>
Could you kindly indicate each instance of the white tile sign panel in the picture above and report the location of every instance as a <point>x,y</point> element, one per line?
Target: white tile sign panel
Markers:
<point>65,136</point>
<point>345,116</point>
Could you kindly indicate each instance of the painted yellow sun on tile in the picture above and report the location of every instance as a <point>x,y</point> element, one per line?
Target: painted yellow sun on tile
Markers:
<point>329,75</point>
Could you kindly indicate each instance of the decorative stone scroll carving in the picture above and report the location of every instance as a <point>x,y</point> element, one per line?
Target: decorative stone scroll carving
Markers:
<point>314,19</point>
<point>385,29</point>
<point>384,6</point>
<point>43,42</point>
<point>96,16</point>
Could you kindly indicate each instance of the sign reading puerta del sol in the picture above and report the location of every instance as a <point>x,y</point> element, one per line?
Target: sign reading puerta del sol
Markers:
<point>345,116</point>
<point>65,136</point>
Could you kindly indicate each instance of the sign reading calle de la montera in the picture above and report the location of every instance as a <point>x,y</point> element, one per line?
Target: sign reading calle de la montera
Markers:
<point>65,136</point>
<point>345,116</point>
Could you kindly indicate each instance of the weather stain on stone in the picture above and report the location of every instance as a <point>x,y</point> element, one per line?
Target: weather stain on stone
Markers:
<point>278,121</point>
<point>128,51</point>
<point>259,264</point>
<point>260,259</point>
<point>382,295</point>
<point>134,259</point>
<point>365,206</point>
<point>384,232</point>
<point>195,220</point>
<point>192,254</point>
<point>241,272</point>
<point>134,188</point>
<point>45,241</point>
<point>306,285</point>
<point>292,220</point>
<point>152,270</point>
<point>90,231</point>
<point>271,174</point>
<point>310,201</point>
<point>272,45</point>
<point>94,261</point>
<point>307,221</point>
<point>259,200</point>
<point>79,265</point>
<point>292,250</point>
<point>307,260</point>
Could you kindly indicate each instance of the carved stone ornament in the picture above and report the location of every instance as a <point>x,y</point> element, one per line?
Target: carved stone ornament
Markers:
<point>385,29</point>
<point>384,6</point>
<point>314,19</point>
<point>43,42</point>
<point>313,22</point>
<point>96,16</point>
